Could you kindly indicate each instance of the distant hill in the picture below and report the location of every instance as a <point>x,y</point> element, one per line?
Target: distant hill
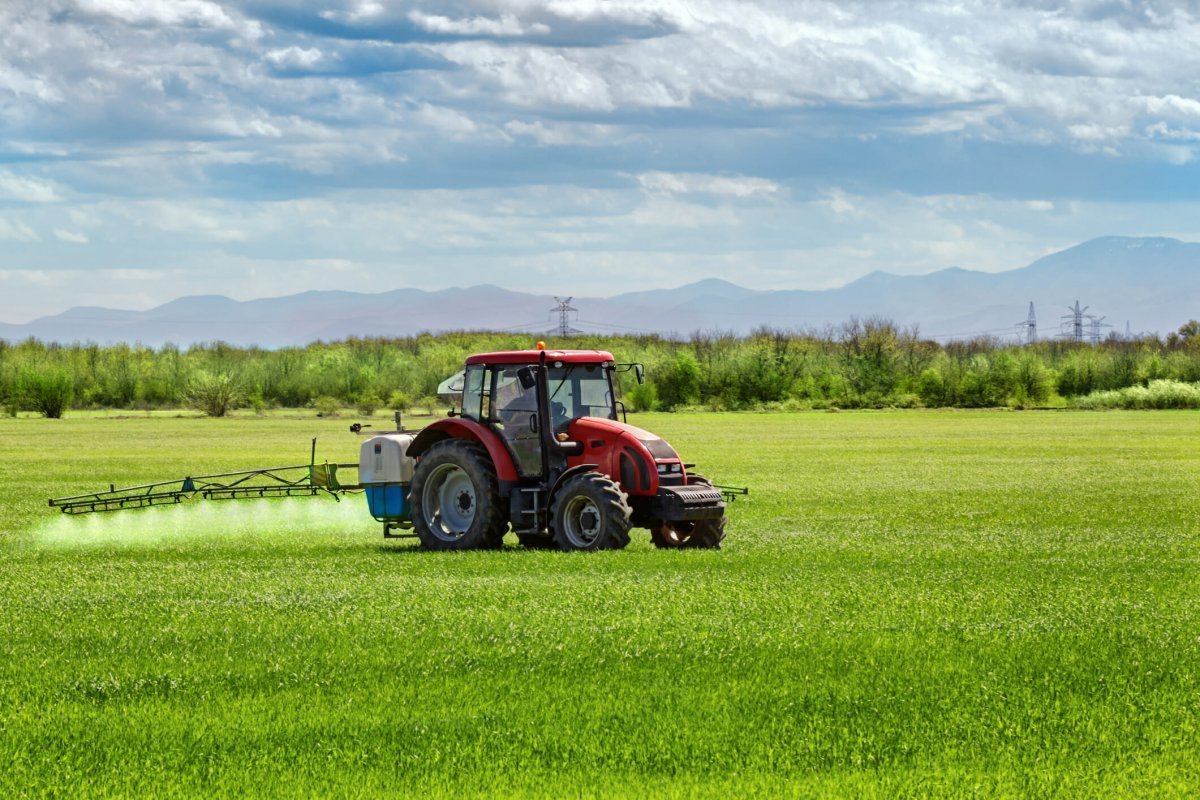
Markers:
<point>1153,283</point>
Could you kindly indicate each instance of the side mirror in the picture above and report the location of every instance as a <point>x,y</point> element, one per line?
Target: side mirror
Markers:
<point>640,371</point>
<point>527,377</point>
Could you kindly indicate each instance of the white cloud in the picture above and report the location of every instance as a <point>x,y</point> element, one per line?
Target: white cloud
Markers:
<point>25,189</point>
<point>73,237</point>
<point>16,231</point>
<point>506,25</point>
<point>555,133</point>
<point>365,10</point>
<point>295,57</point>
<point>1093,132</point>
<point>359,11</point>
<point>1172,104</point>
<point>445,120</point>
<point>839,202</point>
<point>1164,131</point>
<point>197,13</point>
<point>694,183</point>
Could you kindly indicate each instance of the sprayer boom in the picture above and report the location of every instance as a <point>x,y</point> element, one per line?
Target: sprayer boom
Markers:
<point>299,480</point>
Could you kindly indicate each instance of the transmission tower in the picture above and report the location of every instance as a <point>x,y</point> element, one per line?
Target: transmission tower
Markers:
<point>564,309</point>
<point>1030,326</point>
<point>1073,322</point>
<point>1096,324</point>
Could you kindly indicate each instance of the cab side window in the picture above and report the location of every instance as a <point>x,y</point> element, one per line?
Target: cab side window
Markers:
<point>474,400</point>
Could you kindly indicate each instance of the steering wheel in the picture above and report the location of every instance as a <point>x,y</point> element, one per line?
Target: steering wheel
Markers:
<point>558,412</point>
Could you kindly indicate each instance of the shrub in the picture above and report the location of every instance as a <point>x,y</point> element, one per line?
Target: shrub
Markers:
<point>643,397</point>
<point>49,391</point>
<point>367,402</point>
<point>1159,394</point>
<point>327,406</point>
<point>256,402</point>
<point>681,381</point>
<point>214,394</point>
<point>1034,381</point>
<point>399,400</point>
<point>931,387</point>
<point>431,403</point>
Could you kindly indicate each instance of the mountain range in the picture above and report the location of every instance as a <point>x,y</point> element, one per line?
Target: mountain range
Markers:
<point>1153,284</point>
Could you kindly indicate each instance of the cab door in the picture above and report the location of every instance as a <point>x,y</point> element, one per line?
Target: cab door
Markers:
<point>514,414</point>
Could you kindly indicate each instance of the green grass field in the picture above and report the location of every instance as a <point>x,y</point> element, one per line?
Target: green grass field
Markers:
<point>910,603</point>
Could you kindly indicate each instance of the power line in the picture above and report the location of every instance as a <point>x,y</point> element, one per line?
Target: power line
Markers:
<point>611,325</point>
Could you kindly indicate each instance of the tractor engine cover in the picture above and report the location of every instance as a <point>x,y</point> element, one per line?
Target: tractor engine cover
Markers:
<point>635,458</point>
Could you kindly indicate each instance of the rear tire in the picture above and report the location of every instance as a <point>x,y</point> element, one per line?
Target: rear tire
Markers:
<point>455,498</point>
<point>590,512</point>
<point>706,534</point>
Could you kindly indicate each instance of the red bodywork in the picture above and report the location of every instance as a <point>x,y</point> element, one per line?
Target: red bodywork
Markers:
<point>623,452</point>
<point>459,428</point>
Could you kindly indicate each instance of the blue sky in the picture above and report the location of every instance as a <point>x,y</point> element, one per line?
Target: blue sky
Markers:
<point>156,148</point>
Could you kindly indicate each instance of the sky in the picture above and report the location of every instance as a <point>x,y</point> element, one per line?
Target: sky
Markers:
<point>151,149</point>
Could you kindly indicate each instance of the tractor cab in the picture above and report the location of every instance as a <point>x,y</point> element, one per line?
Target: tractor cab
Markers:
<point>500,392</point>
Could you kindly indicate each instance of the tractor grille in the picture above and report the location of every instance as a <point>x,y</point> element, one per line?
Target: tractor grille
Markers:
<point>687,502</point>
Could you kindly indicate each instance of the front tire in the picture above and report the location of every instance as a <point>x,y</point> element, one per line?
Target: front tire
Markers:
<point>590,512</point>
<point>455,498</point>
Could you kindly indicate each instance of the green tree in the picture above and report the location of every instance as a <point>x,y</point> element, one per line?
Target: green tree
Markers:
<point>214,394</point>
<point>48,390</point>
<point>681,383</point>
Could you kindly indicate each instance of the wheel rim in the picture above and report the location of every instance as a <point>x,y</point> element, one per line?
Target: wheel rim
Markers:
<point>676,534</point>
<point>582,522</point>
<point>448,502</point>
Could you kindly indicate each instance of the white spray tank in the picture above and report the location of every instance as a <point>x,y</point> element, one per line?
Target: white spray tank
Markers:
<point>385,472</point>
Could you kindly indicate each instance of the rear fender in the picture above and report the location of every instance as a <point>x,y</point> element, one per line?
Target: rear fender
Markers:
<point>459,428</point>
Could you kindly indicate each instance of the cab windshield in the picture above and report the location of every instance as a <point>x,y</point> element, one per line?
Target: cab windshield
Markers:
<point>580,390</point>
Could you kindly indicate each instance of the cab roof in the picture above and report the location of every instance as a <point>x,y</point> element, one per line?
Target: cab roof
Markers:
<point>534,356</point>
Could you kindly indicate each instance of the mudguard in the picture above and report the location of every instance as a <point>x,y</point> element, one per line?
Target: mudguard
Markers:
<point>460,428</point>
<point>570,473</point>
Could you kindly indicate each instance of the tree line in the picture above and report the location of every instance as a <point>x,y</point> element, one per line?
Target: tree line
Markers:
<point>868,363</point>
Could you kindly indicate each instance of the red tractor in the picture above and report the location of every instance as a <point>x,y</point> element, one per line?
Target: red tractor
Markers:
<point>538,446</point>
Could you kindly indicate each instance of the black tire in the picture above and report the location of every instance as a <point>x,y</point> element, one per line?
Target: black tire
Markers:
<point>536,541</point>
<point>590,512</point>
<point>704,534</point>
<point>455,499</point>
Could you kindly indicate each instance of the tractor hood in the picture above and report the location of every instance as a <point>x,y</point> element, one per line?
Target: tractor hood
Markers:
<point>581,428</point>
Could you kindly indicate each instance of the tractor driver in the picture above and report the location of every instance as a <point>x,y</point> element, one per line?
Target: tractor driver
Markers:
<point>513,404</point>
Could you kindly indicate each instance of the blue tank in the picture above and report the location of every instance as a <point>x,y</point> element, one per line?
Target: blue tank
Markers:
<point>388,503</point>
